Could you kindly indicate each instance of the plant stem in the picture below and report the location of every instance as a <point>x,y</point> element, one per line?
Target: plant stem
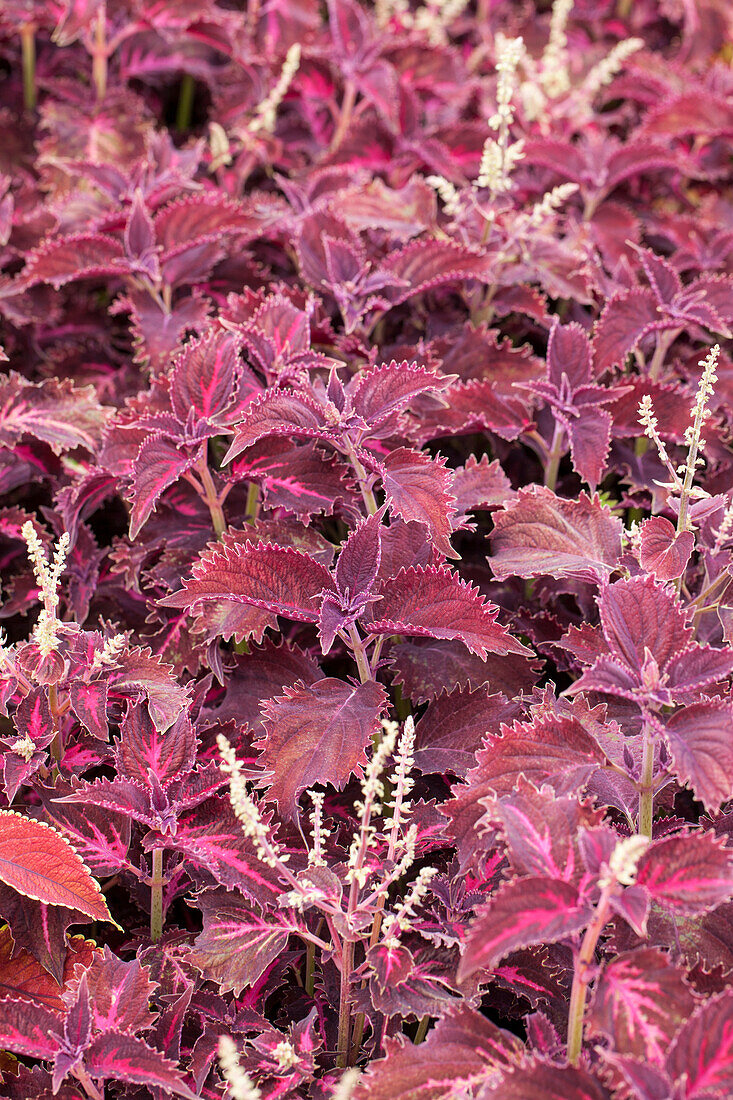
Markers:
<point>347,965</point>
<point>310,968</point>
<point>664,343</point>
<point>646,784</point>
<point>185,103</point>
<point>582,975</point>
<point>366,494</point>
<point>360,655</point>
<point>422,1030</point>
<point>28,48</point>
<point>253,502</point>
<point>156,896</point>
<point>55,746</point>
<point>211,497</point>
<point>99,53</point>
<point>554,456</point>
<point>347,108</point>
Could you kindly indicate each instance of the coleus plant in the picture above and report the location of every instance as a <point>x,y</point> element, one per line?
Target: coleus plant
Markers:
<point>366,538</point>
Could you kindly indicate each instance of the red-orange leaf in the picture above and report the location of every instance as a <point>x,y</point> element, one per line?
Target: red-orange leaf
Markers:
<point>41,864</point>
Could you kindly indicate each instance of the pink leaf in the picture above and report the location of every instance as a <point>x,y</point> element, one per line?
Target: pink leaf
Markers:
<point>159,464</point>
<point>236,945</point>
<point>57,412</point>
<point>118,1057</point>
<point>688,873</point>
<point>543,1080</point>
<point>148,756</point>
<point>318,733</point>
<point>418,487</point>
<point>204,376</point>
<point>700,739</point>
<point>702,1054</point>
<point>27,1028</point>
<point>384,391</point>
<point>639,1002</point>
<point>276,578</point>
<point>278,413</point>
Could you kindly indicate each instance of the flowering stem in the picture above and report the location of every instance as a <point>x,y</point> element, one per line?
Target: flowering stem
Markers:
<point>646,783</point>
<point>156,896</point>
<point>28,48</point>
<point>583,973</point>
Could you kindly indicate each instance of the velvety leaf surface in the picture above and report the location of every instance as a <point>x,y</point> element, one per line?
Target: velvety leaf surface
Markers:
<point>544,1081</point>
<point>317,733</point>
<point>700,738</point>
<point>540,534</point>
<point>436,603</point>
<point>419,488</point>
<point>119,1057</point>
<point>236,945</point>
<point>639,1002</point>
<point>702,1053</point>
<point>687,874</point>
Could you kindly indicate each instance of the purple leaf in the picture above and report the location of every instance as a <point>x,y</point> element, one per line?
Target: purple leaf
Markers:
<point>545,1081</point>
<point>700,738</point>
<point>204,376</point>
<point>144,754</point>
<point>117,1057</point>
<point>688,873</point>
<point>160,462</point>
<point>236,945</point>
<point>664,552</point>
<point>418,487</point>
<point>639,1002</point>
<point>359,560</point>
<point>28,1028</point>
<point>702,1053</point>
<point>434,602</point>
<point>380,394</point>
<point>276,578</point>
<point>318,733</point>
<point>540,534</point>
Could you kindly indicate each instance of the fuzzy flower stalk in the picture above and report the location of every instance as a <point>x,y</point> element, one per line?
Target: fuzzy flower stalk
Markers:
<point>48,575</point>
<point>239,1084</point>
<point>500,156</point>
<point>682,478</point>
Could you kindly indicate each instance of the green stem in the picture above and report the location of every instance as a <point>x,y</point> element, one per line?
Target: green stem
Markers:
<point>646,784</point>
<point>347,965</point>
<point>554,456</point>
<point>310,968</point>
<point>185,103</point>
<point>28,48</point>
<point>366,494</point>
<point>253,502</point>
<point>582,976</point>
<point>422,1030</point>
<point>360,655</point>
<point>156,896</point>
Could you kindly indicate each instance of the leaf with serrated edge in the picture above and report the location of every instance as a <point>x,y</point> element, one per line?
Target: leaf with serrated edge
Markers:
<point>318,733</point>
<point>525,911</point>
<point>41,864</point>
<point>541,534</point>
<point>688,873</point>
<point>418,487</point>
<point>434,602</point>
<point>236,945</point>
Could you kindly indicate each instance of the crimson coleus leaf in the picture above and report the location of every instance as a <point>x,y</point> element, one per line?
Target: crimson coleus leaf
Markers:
<point>359,560</point>
<point>544,1080</point>
<point>463,1046</point>
<point>434,602</point>
<point>318,733</point>
<point>145,754</point>
<point>418,487</point>
<point>120,993</point>
<point>541,830</point>
<point>237,944</point>
<point>159,463</point>
<point>24,978</point>
<point>39,863</point>
<point>380,394</point>
<point>66,259</point>
<point>278,579</point>
<point>664,552</point>
<point>114,1056</point>
<point>525,911</point>
<point>27,1028</point>
<point>702,1053</point>
<point>279,413</point>
<point>639,1002</point>
<point>138,672</point>
<point>205,375</point>
<point>453,726</point>
<point>59,413</point>
<point>688,873</point>
<point>700,739</point>
<point>541,534</point>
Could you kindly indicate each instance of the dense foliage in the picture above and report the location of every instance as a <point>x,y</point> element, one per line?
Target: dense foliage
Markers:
<point>367,543</point>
